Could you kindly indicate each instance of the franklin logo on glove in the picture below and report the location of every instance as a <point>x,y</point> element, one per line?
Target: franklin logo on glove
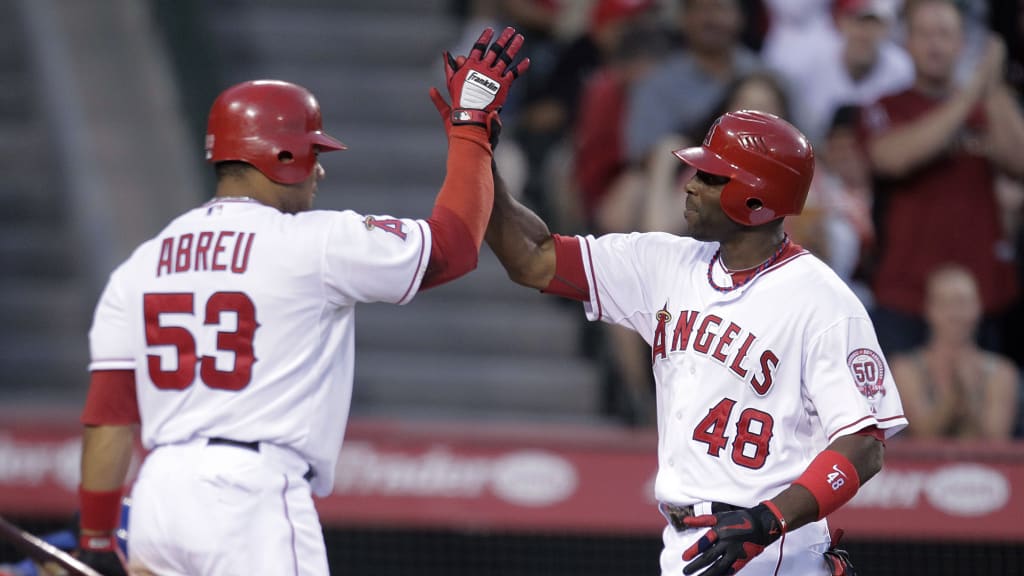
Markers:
<point>484,82</point>
<point>478,91</point>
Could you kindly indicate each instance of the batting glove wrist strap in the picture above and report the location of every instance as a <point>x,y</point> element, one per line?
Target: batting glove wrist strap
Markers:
<point>490,121</point>
<point>105,542</point>
<point>470,116</point>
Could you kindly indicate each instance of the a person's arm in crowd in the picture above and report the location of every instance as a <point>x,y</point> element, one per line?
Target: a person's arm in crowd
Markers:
<point>1005,130</point>
<point>663,201</point>
<point>928,418</point>
<point>530,15</point>
<point>904,148</point>
<point>998,412</point>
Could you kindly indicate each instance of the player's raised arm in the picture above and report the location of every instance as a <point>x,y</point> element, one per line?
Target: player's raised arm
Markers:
<point>477,85</point>
<point>520,239</point>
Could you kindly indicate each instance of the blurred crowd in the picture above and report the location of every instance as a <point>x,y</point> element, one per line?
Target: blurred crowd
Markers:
<point>913,107</point>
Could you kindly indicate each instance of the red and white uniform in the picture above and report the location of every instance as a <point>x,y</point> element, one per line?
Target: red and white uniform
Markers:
<point>754,379</point>
<point>238,322</point>
<point>215,273</point>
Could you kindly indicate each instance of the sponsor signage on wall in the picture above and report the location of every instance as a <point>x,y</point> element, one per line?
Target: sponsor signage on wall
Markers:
<point>553,478</point>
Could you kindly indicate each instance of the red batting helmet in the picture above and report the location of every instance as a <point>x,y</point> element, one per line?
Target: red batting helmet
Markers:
<point>274,126</point>
<point>769,162</point>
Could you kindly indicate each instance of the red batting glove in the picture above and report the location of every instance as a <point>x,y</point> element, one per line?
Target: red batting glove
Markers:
<point>479,84</point>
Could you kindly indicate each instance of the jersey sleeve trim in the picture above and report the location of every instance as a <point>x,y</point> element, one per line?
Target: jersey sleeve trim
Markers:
<point>112,364</point>
<point>890,425</point>
<point>595,295</point>
<point>421,266</point>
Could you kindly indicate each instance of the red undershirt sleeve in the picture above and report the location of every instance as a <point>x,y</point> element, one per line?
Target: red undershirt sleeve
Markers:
<point>872,431</point>
<point>463,207</point>
<point>570,279</point>
<point>111,399</point>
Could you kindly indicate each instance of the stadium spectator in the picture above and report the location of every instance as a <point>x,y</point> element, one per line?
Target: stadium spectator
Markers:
<point>842,184</point>
<point>796,29</point>
<point>950,387</point>
<point>860,66</point>
<point>599,156</point>
<point>682,92</point>
<point>551,107</point>
<point>607,202</point>
<point>935,150</point>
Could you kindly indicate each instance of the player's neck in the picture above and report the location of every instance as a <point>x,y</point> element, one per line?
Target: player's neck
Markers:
<point>749,249</point>
<point>246,188</point>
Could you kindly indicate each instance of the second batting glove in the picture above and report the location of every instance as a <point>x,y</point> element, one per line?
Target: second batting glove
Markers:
<point>735,538</point>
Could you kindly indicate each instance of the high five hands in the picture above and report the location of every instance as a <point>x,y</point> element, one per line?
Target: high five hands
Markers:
<point>478,84</point>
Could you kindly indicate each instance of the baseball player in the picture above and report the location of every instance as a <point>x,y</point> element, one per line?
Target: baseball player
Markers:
<point>774,400</point>
<point>229,336</point>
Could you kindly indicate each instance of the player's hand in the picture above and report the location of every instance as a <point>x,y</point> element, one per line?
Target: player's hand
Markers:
<point>838,561</point>
<point>478,84</point>
<point>734,539</point>
<point>101,553</point>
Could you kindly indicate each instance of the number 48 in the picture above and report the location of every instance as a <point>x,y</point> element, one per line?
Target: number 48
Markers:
<point>754,428</point>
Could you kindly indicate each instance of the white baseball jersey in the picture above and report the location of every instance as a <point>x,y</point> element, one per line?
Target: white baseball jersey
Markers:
<point>752,382</point>
<point>238,321</point>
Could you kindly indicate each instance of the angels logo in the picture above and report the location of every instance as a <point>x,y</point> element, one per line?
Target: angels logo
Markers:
<point>868,372</point>
<point>391,225</point>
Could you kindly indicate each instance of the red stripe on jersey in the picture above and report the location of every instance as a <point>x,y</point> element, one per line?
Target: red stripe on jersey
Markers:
<point>111,399</point>
<point>788,254</point>
<point>872,431</point>
<point>570,280</point>
<point>861,421</point>
<point>593,279</point>
<point>419,263</point>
